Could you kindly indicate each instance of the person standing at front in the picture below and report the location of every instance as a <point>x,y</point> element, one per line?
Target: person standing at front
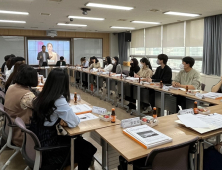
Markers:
<point>43,57</point>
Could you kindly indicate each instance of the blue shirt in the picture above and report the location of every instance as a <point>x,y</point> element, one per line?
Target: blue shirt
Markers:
<point>63,111</point>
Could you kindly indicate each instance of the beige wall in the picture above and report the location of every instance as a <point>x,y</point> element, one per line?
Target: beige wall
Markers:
<point>60,34</point>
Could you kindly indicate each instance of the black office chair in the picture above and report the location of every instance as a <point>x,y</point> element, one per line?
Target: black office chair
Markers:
<point>169,158</point>
<point>202,86</point>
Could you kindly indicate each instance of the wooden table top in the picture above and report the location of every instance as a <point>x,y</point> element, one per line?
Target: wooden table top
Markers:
<point>131,150</point>
<point>89,125</point>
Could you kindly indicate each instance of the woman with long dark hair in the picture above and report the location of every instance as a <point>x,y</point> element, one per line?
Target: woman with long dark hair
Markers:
<point>95,64</point>
<point>18,99</point>
<point>13,75</point>
<point>134,67</point>
<point>109,65</point>
<point>116,66</point>
<point>145,69</point>
<point>50,108</point>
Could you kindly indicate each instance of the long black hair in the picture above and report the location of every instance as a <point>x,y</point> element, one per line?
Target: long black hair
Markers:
<point>135,62</point>
<point>56,85</point>
<point>108,59</point>
<point>117,60</point>
<point>115,65</point>
<point>147,62</point>
<point>95,59</point>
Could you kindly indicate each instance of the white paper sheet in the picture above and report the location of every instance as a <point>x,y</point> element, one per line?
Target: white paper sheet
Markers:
<point>86,117</point>
<point>212,95</point>
<point>80,108</point>
<point>192,121</point>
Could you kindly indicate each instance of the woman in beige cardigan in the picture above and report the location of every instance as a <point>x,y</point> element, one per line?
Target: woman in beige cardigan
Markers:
<point>95,64</point>
<point>145,69</point>
<point>18,99</point>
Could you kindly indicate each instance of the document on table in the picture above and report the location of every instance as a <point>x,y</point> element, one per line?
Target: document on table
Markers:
<point>214,122</point>
<point>118,75</point>
<point>190,120</point>
<point>86,117</point>
<point>81,108</point>
<point>213,95</point>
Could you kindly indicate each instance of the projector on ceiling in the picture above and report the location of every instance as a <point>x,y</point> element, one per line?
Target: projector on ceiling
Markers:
<point>51,33</point>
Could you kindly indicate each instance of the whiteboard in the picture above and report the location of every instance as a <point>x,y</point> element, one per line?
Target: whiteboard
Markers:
<point>87,47</point>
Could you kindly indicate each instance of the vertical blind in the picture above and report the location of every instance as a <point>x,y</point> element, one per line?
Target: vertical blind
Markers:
<point>153,37</point>
<point>173,35</point>
<point>137,39</point>
<point>194,33</point>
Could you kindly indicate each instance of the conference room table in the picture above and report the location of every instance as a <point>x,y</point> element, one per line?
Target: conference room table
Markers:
<point>88,126</point>
<point>132,151</point>
<point>139,86</point>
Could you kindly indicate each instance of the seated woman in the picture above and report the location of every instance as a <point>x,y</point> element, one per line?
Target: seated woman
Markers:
<point>13,75</point>
<point>108,66</point>
<point>18,99</point>
<point>145,69</point>
<point>84,62</point>
<point>134,67</point>
<point>116,66</point>
<point>61,62</point>
<point>218,87</point>
<point>163,72</point>
<point>95,64</point>
<point>50,108</point>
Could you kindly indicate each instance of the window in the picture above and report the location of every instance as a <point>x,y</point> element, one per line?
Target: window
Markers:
<point>175,40</point>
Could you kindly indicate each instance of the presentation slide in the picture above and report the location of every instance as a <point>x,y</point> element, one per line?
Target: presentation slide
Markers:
<point>55,48</point>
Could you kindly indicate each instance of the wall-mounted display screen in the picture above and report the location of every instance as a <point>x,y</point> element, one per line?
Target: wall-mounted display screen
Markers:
<point>55,48</point>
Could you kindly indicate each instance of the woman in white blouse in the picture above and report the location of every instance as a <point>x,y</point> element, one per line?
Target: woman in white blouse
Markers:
<point>109,65</point>
<point>51,108</point>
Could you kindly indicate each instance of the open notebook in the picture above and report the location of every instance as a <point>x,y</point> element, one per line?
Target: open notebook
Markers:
<point>147,136</point>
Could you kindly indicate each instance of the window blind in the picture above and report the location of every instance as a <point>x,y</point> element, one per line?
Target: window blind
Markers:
<point>137,38</point>
<point>153,37</point>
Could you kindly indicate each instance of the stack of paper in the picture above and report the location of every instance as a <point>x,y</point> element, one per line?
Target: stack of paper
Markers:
<point>99,110</point>
<point>132,78</point>
<point>105,72</point>
<point>213,95</point>
<point>95,70</point>
<point>81,109</point>
<point>147,136</point>
<point>118,75</point>
<point>208,122</point>
<point>86,117</point>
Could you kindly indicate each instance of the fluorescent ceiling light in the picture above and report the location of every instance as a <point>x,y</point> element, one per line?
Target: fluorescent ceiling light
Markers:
<point>109,6</point>
<point>87,18</point>
<point>12,21</point>
<point>74,25</point>
<point>126,28</point>
<point>182,14</point>
<point>145,22</point>
<point>13,12</point>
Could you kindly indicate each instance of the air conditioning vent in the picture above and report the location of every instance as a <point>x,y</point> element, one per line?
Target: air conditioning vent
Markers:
<point>45,14</point>
<point>154,10</point>
<point>56,0</point>
<point>11,27</point>
<point>122,20</point>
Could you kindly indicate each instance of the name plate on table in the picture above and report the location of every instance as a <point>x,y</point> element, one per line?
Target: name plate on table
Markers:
<point>166,88</point>
<point>99,110</point>
<point>186,111</point>
<point>200,96</point>
<point>125,123</point>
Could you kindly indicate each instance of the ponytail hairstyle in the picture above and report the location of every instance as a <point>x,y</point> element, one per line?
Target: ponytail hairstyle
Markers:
<point>147,62</point>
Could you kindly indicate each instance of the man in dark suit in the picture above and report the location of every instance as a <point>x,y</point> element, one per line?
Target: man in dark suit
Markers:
<point>61,62</point>
<point>43,57</point>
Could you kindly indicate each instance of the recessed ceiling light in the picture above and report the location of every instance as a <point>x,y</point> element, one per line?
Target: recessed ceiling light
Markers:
<point>109,6</point>
<point>87,18</point>
<point>74,25</point>
<point>127,28</point>
<point>145,22</point>
<point>182,14</point>
<point>12,21</point>
<point>14,12</point>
